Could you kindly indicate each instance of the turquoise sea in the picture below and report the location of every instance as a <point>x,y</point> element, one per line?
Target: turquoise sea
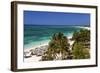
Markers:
<point>39,34</point>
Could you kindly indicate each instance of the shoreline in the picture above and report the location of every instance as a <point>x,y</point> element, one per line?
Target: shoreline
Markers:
<point>36,46</point>
<point>46,43</point>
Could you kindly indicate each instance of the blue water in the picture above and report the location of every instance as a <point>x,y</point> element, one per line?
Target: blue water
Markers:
<point>39,34</point>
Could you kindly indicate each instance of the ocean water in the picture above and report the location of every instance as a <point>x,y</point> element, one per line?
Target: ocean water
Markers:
<point>39,34</point>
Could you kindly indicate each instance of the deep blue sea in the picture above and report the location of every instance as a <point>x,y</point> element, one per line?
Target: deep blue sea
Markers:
<point>39,34</point>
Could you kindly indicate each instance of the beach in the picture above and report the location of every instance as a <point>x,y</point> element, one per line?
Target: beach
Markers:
<point>29,57</point>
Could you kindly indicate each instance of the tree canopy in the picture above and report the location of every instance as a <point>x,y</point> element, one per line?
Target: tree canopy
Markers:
<point>83,35</point>
<point>81,46</point>
<point>58,47</point>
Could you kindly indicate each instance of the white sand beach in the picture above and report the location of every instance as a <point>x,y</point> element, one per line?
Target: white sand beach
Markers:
<point>71,42</point>
<point>33,58</point>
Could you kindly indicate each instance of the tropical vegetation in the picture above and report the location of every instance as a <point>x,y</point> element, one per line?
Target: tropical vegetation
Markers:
<point>81,46</point>
<point>59,46</point>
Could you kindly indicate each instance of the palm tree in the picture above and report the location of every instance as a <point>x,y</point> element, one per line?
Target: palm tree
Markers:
<point>58,47</point>
<point>81,46</point>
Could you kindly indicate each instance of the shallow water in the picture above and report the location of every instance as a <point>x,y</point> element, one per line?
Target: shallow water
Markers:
<point>39,34</point>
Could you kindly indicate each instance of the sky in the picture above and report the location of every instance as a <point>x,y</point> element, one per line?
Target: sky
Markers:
<point>55,18</point>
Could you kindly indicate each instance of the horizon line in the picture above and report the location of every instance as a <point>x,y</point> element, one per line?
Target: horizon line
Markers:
<point>60,25</point>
